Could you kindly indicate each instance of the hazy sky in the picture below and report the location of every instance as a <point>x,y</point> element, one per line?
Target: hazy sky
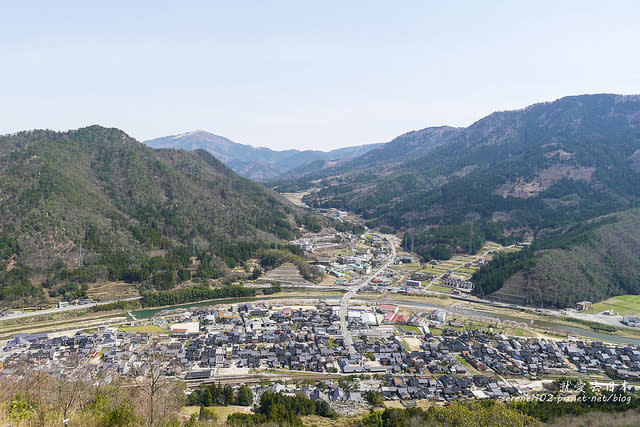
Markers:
<point>303,74</point>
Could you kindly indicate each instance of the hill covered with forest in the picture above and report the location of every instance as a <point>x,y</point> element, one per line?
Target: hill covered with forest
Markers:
<point>592,260</point>
<point>94,204</point>
<point>509,177</point>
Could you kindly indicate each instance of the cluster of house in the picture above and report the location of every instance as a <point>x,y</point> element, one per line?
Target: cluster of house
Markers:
<point>393,387</point>
<point>322,241</point>
<point>456,282</point>
<point>617,361</point>
<point>409,361</point>
<point>446,387</point>
<point>101,354</point>
<point>357,262</point>
<point>632,321</point>
<point>239,336</point>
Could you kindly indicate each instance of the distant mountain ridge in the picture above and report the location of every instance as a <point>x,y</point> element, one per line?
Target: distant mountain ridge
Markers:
<point>257,163</point>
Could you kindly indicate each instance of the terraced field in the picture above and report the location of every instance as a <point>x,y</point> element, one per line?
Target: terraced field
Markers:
<point>458,262</point>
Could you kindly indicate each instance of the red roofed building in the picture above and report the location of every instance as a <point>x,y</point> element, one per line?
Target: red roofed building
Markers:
<point>400,318</point>
<point>388,316</point>
<point>386,308</point>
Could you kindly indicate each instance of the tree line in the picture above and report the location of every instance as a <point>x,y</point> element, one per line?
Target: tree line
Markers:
<point>277,408</point>
<point>193,294</point>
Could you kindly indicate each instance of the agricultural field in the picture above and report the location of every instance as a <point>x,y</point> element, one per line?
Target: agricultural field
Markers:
<point>458,263</point>
<point>625,305</point>
<point>443,289</point>
<point>296,198</point>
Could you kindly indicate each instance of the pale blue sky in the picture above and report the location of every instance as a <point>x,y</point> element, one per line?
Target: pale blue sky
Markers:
<point>302,74</point>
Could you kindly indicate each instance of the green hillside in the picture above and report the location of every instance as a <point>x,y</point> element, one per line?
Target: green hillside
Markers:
<point>505,177</point>
<point>94,204</point>
<point>543,172</point>
<point>591,261</point>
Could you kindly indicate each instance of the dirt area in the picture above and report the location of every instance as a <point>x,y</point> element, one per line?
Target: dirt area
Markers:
<point>328,280</point>
<point>412,343</point>
<point>544,179</point>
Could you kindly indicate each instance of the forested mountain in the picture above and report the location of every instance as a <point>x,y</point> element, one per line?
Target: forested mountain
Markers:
<point>592,260</point>
<point>256,163</point>
<point>506,177</point>
<point>543,166</point>
<point>93,204</point>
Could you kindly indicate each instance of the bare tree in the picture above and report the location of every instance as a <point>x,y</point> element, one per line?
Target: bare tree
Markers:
<point>68,392</point>
<point>161,392</point>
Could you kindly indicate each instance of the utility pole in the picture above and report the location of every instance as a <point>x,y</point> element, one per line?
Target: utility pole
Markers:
<point>80,259</point>
<point>412,243</point>
<point>471,238</point>
<point>276,239</point>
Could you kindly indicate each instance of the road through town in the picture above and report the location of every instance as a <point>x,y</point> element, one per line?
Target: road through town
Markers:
<point>344,302</point>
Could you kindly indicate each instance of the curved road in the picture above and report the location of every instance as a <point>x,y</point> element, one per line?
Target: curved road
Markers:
<point>344,302</point>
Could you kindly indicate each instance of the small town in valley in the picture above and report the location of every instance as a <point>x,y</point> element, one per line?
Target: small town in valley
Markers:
<point>380,329</point>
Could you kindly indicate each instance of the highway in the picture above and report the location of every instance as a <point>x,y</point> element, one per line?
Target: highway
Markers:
<point>344,302</point>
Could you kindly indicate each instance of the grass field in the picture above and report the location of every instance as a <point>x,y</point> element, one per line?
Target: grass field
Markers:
<point>443,289</point>
<point>625,305</point>
<point>519,332</point>
<point>510,250</point>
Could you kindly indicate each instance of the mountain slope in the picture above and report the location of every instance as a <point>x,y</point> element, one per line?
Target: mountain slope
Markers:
<point>120,200</point>
<point>508,177</point>
<point>256,163</point>
<point>592,260</point>
<point>509,173</point>
<point>408,145</point>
